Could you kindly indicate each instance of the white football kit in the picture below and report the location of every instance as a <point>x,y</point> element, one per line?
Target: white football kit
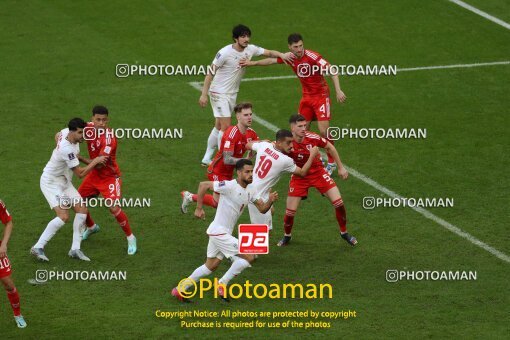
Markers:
<point>226,81</point>
<point>270,164</point>
<point>233,199</point>
<point>56,179</point>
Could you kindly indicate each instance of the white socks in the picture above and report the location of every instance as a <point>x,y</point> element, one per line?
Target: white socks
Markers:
<point>199,273</point>
<point>212,143</point>
<point>51,229</point>
<point>220,136</point>
<point>79,220</point>
<point>235,269</point>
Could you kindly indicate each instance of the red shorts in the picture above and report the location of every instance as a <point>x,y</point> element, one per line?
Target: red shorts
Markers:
<point>214,177</point>
<point>5,266</point>
<point>108,187</point>
<point>315,108</point>
<point>319,179</point>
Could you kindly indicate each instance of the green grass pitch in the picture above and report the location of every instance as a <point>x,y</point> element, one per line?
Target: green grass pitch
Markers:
<point>58,59</point>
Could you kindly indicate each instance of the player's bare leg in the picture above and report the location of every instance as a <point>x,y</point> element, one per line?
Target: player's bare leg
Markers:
<point>13,296</point>
<point>323,126</point>
<point>334,197</point>
<point>239,263</point>
<point>51,229</point>
<point>79,220</point>
<point>288,220</point>
<point>210,265</point>
<point>123,221</point>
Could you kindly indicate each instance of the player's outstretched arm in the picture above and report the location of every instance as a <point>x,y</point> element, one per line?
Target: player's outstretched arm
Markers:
<point>5,239</point>
<point>82,172</point>
<point>342,172</point>
<point>304,170</point>
<point>84,160</point>
<point>207,84</point>
<point>202,189</point>
<point>264,207</point>
<point>261,62</point>
<point>286,57</point>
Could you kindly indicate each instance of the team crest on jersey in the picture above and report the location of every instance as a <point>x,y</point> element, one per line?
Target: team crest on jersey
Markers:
<point>309,146</point>
<point>71,156</point>
<point>221,184</point>
<point>107,150</point>
<point>227,144</point>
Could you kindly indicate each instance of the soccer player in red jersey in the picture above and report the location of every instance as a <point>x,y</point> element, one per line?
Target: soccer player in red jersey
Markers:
<point>232,149</point>
<point>5,267</point>
<point>104,180</point>
<point>310,68</point>
<point>317,177</point>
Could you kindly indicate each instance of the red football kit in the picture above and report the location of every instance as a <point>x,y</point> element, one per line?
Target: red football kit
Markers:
<point>232,141</point>
<point>5,265</point>
<point>315,103</point>
<point>106,179</point>
<point>317,177</point>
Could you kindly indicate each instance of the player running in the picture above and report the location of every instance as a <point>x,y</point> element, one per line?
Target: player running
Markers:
<point>57,187</point>
<point>271,163</point>
<point>104,180</point>
<point>232,149</point>
<point>317,177</point>
<point>235,196</point>
<point>5,267</point>
<point>222,85</point>
<point>310,67</point>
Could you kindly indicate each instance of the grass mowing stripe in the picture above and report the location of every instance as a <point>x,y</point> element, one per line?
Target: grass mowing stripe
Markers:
<point>447,225</point>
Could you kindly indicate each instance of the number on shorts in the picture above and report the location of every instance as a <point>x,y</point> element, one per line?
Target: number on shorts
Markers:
<point>327,178</point>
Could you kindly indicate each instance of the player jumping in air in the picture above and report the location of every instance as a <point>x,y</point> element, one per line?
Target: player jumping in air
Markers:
<point>57,187</point>
<point>232,149</point>
<point>310,68</point>
<point>104,180</point>
<point>271,163</point>
<point>317,177</point>
<point>5,267</point>
<point>222,85</point>
<point>235,196</point>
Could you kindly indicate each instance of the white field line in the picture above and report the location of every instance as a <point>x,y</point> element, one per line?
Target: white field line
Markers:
<point>482,13</point>
<point>198,84</point>
<point>427,214</point>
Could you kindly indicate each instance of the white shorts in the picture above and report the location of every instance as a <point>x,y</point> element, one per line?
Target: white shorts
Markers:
<point>58,190</point>
<point>256,217</point>
<point>222,246</point>
<point>222,104</point>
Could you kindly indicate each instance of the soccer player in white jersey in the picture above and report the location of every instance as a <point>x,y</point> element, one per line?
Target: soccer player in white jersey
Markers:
<point>222,85</point>
<point>271,163</point>
<point>235,195</point>
<point>57,187</point>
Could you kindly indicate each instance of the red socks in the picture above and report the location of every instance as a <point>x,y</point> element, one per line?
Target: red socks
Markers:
<point>208,200</point>
<point>341,214</point>
<point>288,221</point>
<point>89,221</point>
<point>13,297</point>
<point>123,221</point>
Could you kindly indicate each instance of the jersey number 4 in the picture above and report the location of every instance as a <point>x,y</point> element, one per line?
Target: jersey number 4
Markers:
<point>264,167</point>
